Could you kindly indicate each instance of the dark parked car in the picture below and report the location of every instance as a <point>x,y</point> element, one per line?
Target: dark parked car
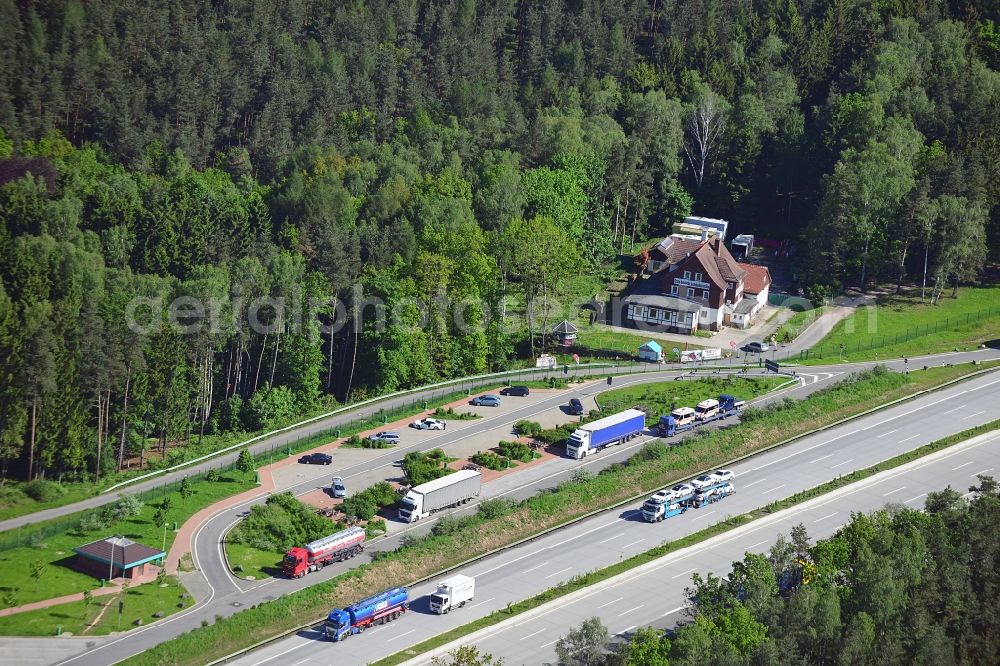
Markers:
<point>316,459</point>
<point>575,407</point>
<point>515,390</point>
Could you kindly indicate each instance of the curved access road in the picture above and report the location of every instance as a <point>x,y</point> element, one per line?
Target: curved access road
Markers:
<point>227,595</point>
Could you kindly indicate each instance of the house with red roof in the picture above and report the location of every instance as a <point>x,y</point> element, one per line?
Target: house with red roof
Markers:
<point>695,284</point>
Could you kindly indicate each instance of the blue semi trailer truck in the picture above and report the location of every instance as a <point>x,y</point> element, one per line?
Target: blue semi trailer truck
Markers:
<point>604,432</point>
<point>378,609</point>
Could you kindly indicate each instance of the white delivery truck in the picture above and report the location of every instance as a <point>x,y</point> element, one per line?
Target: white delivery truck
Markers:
<point>453,593</point>
<point>447,491</point>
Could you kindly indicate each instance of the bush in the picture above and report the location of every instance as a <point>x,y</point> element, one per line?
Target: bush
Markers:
<point>451,414</point>
<point>489,460</point>
<point>43,490</point>
<point>212,476</point>
<point>279,524</point>
<point>268,407</point>
<point>375,527</point>
<point>452,524</point>
<point>526,428</point>
<point>359,506</point>
<point>423,467</point>
<point>517,451</point>
<point>495,508</point>
<point>91,523</point>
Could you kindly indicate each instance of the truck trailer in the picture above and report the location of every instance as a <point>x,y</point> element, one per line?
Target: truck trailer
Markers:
<point>316,555</point>
<point>452,593</point>
<point>665,504</point>
<point>604,432</point>
<point>447,491</point>
<point>378,609</point>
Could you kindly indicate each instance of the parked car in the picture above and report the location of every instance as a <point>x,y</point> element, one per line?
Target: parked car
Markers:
<point>486,401</point>
<point>337,488</point>
<point>703,480</point>
<point>429,423</point>
<point>575,407</point>
<point>316,459</point>
<point>515,390</point>
<point>722,475</point>
<point>390,437</point>
<point>758,347</point>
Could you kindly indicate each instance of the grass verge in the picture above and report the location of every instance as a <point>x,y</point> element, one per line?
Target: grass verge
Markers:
<point>593,577</point>
<point>797,323</point>
<point>904,326</point>
<point>100,617</point>
<point>457,540</point>
<point>658,397</point>
<point>55,551</point>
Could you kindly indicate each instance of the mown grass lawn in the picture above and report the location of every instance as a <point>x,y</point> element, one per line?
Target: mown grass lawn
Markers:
<point>657,398</point>
<point>601,343</point>
<point>100,617</point>
<point>56,552</point>
<point>252,563</point>
<point>903,326</point>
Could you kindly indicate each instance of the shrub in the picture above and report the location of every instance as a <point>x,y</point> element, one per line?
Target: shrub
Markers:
<point>517,451</point>
<point>212,476</point>
<point>375,528</point>
<point>495,508</point>
<point>43,490</point>
<point>490,460</point>
<point>452,524</point>
<point>359,506</point>
<point>279,524</point>
<point>526,428</point>
<point>91,523</point>
<point>421,467</point>
<point>267,407</point>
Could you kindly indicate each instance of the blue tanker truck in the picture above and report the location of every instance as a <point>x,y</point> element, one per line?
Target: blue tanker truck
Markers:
<point>378,609</point>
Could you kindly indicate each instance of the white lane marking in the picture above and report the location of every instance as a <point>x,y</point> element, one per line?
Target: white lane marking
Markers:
<point>544,645</point>
<point>886,434</point>
<point>516,559</point>
<point>970,416</point>
<point>705,515</point>
<point>912,499</point>
<point>672,611</point>
<point>625,630</point>
<point>482,602</point>
<point>301,661</point>
<point>631,610</point>
<point>524,638</point>
<point>955,409</point>
<point>400,635</point>
<point>684,573</point>
<point>611,537</point>
<point>826,516</point>
<point>559,572</point>
<point>759,543</point>
<point>536,567</point>
<point>971,462</point>
<point>814,446</point>
<point>754,483</point>
<point>829,455</point>
<point>849,460</point>
<point>893,492</point>
<point>628,545</point>
<point>988,469</point>
<point>267,659</point>
<point>773,489</point>
<point>608,603</point>
<point>902,441</point>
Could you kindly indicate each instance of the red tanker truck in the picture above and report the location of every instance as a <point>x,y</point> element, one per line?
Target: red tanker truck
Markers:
<point>316,555</point>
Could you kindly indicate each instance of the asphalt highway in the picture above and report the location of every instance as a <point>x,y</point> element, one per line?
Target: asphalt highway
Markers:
<point>605,538</point>
<point>655,597</point>
<point>221,594</point>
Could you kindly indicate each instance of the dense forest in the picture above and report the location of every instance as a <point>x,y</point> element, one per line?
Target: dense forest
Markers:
<point>165,167</point>
<point>895,587</point>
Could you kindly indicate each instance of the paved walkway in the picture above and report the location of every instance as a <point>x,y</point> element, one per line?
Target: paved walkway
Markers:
<point>114,587</point>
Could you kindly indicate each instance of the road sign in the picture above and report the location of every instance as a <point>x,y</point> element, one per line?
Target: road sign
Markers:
<point>676,351</point>
<point>732,344</point>
<point>771,365</point>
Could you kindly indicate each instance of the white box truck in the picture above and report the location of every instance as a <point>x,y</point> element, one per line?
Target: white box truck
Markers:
<point>448,491</point>
<point>453,593</point>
